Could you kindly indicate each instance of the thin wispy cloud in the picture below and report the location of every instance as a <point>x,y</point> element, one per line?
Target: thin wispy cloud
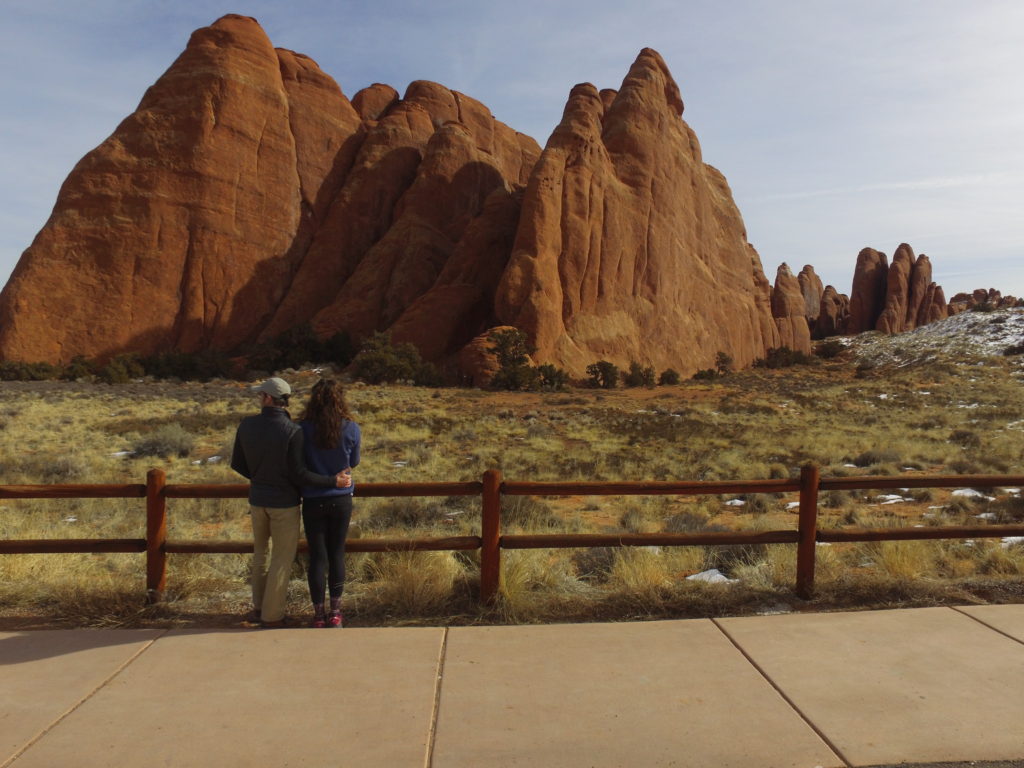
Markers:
<point>838,125</point>
<point>920,185</point>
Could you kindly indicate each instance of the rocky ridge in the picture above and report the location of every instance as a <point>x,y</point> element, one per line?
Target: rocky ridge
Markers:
<point>247,195</point>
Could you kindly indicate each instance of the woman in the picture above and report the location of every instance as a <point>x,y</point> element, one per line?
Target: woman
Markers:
<point>331,440</point>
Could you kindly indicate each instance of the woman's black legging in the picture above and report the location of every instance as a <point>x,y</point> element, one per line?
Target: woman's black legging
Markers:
<point>326,522</point>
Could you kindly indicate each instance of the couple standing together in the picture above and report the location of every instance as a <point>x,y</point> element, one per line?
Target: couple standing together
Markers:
<point>283,461</point>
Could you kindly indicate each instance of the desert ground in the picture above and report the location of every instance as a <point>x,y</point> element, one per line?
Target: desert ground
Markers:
<point>911,404</point>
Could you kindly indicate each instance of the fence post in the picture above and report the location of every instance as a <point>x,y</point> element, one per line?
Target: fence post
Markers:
<point>156,535</point>
<point>809,481</point>
<point>490,534</point>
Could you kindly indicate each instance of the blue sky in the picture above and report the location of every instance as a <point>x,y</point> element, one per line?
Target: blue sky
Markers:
<point>839,125</point>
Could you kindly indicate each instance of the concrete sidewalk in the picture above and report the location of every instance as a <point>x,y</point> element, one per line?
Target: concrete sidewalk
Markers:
<point>838,689</point>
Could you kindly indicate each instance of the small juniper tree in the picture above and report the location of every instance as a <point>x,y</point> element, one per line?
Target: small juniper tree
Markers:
<point>723,363</point>
<point>603,374</point>
<point>512,349</point>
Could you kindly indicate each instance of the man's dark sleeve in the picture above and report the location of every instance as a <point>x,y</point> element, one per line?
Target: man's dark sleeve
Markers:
<point>300,475</point>
<point>238,462</point>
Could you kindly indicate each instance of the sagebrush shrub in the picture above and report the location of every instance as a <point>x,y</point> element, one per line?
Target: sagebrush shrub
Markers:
<point>165,441</point>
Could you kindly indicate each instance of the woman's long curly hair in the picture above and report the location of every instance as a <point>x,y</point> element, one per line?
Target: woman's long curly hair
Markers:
<point>327,410</point>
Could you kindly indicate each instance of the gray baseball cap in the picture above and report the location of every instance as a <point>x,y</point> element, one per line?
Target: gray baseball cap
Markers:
<point>275,387</point>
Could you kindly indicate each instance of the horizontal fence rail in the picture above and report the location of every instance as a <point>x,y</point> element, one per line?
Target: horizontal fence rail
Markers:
<point>156,491</point>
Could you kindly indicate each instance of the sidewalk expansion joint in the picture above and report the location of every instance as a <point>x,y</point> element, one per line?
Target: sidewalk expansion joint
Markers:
<point>432,733</point>
<point>980,621</point>
<point>28,745</point>
<point>810,723</point>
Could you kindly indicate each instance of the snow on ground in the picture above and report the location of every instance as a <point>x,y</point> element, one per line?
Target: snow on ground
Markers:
<point>713,576</point>
<point>969,333</point>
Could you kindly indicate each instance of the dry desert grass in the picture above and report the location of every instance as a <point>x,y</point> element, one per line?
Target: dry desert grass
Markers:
<point>933,417</point>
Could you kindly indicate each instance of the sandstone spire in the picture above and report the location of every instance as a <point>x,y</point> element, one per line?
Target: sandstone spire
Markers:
<point>628,241</point>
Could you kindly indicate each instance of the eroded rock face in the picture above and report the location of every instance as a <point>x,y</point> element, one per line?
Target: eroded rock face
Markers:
<point>629,246</point>
<point>812,290</point>
<point>832,314</point>
<point>789,310</point>
<point>895,298</point>
<point>246,195</point>
<point>912,299</point>
<point>893,318</point>
<point>867,297</point>
<point>171,233</point>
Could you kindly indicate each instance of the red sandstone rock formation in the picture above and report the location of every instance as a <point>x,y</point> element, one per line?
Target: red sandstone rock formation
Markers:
<point>868,294</point>
<point>894,298</point>
<point>912,299</point>
<point>629,246</point>
<point>789,310</point>
<point>982,296</point>
<point>178,232</point>
<point>247,195</point>
<point>893,317</point>
<point>833,313</point>
<point>812,290</point>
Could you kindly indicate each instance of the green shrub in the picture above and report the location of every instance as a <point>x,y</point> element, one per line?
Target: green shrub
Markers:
<point>300,345</point>
<point>669,377</point>
<point>965,438</point>
<point>121,369</point>
<point>78,368</point>
<point>379,361</point>
<point>603,375</point>
<point>876,456</point>
<point>723,363</point>
<point>188,366</point>
<point>705,374</point>
<point>782,357</point>
<point>512,350</point>
<point>638,376</point>
<point>164,441</point>
<point>827,350</point>
<point>552,378</point>
<point>11,370</point>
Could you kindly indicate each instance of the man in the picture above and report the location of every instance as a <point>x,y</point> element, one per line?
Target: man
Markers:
<point>268,452</point>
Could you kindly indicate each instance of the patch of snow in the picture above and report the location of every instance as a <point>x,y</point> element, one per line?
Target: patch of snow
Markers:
<point>713,576</point>
<point>792,504</point>
<point>735,503</point>
<point>1009,541</point>
<point>854,466</point>
<point>70,519</point>
<point>986,516</point>
<point>122,454</point>
<point>399,463</point>
<point>883,397</point>
<point>972,493</point>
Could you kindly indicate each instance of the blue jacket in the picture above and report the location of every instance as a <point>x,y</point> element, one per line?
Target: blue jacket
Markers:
<point>330,461</point>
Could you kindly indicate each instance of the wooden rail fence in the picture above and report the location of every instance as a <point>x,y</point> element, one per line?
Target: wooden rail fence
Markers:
<point>156,491</point>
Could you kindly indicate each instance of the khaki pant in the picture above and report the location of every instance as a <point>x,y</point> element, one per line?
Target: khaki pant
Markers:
<point>279,525</point>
